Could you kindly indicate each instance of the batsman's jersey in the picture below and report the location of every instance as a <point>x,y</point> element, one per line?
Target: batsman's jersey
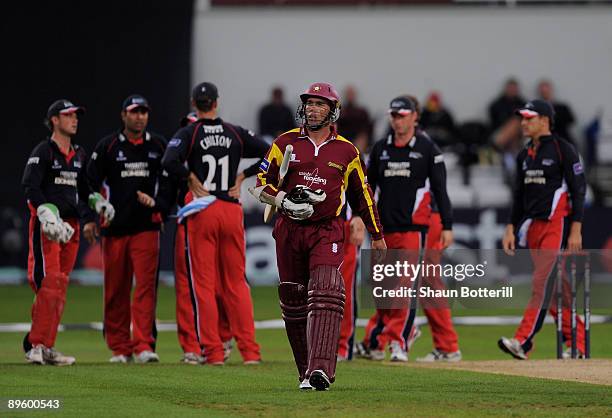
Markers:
<point>120,167</point>
<point>334,166</point>
<point>550,182</point>
<point>53,177</point>
<point>212,149</point>
<point>407,177</point>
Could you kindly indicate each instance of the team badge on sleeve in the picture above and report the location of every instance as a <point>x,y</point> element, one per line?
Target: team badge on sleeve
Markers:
<point>578,168</point>
<point>265,165</point>
<point>174,142</point>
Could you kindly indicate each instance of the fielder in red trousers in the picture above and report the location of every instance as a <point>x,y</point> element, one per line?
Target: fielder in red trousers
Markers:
<point>126,167</point>
<point>406,160</point>
<point>547,218</point>
<point>56,188</point>
<point>185,306</point>
<point>309,232</point>
<point>206,155</point>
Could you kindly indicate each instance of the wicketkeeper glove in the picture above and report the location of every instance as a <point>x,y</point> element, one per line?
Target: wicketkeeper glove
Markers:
<point>67,232</point>
<point>50,221</point>
<point>102,207</point>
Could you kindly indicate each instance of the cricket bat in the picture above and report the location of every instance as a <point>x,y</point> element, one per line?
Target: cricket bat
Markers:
<point>270,209</point>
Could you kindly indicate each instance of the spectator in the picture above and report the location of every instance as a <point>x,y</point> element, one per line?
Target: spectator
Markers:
<point>504,106</point>
<point>564,117</point>
<point>355,123</point>
<point>437,121</point>
<point>275,117</point>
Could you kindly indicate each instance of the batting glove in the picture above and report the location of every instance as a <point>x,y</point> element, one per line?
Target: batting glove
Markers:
<point>303,194</point>
<point>50,221</point>
<point>102,207</point>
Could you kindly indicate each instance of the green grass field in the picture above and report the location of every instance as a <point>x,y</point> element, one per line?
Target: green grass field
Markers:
<point>95,388</point>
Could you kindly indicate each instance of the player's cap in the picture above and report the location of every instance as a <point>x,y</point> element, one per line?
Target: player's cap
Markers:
<point>135,101</point>
<point>537,108</point>
<point>189,119</point>
<point>205,92</point>
<point>63,106</point>
<point>402,105</point>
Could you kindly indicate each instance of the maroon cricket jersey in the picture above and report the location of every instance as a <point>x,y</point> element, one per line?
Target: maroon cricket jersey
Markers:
<point>334,166</point>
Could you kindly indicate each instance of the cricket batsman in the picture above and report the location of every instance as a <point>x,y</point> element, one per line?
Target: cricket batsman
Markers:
<point>309,232</point>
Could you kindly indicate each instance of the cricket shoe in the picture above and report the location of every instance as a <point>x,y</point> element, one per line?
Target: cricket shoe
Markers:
<point>121,359</point>
<point>377,355</point>
<point>567,354</point>
<point>340,358</point>
<point>251,362</point>
<point>397,354</point>
<point>319,380</point>
<point>146,357</point>
<point>54,357</point>
<point>513,347</point>
<point>305,385</point>
<point>227,350</point>
<point>437,355</point>
<point>361,351</point>
<point>192,358</point>
<point>35,355</point>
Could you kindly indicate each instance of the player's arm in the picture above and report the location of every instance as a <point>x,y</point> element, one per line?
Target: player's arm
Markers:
<point>438,187</point>
<point>254,147</point>
<point>267,179</point>
<point>361,198</point>
<point>175,155</point>
<point>573,172</point>
<point>34,174</point>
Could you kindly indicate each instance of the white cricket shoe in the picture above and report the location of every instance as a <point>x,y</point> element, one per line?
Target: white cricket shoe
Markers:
<point>513,347</point>
<point>319,380</point>
<point>567,354</point>
<point>361,351</point>
<point>121,358</point>
<point>146,357</point>
<point>437,355</point>
<point>192,358</point>
<point>397,354</point>
<point>35,355</point>
<point>305,385</point>
<point>377,355</point>
<point>51,356</point>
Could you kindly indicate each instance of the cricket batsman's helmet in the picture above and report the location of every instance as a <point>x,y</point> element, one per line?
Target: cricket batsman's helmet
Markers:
<point>323,91</point>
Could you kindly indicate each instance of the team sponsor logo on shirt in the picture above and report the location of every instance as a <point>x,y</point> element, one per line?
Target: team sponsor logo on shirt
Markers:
<point>534,177</point>
<point>415,155</point>
<point>77,164</point>
<point>174,142</point>
<point>385,155</point>
<point>121,156</point>
<point>334,248</point>
<point>265,165</point>
<point>33,160</point>
<point>337,166</point>
<point>438,159</point>
<point>578,169</point>
<point>137,169</point>
<point>548,162</point>
<point>66,178</point>
<point>397,169</point>
<point>312,178</point>
<point>94,156</point>
<point>153,154</point>
<point>56,165</point>
<point>293,159</point>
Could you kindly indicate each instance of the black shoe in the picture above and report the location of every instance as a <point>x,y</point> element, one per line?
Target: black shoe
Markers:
<point>319,380</point>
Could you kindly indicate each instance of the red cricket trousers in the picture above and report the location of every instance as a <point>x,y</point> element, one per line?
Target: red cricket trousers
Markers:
<point>125,258</point>
<point>387,325</point>
<point>348,271</point>
<point>216,263</point>
<point>545,239</point>
<point>49,266</point>
<point>185,303</point>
